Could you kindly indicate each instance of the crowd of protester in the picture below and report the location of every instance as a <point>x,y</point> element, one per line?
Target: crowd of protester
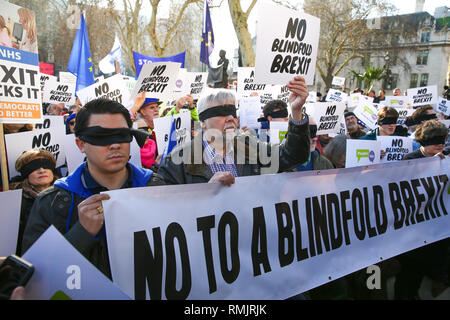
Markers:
<point>104,130</point>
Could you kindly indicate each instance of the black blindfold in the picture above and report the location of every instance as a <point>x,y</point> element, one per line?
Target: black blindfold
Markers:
<point>35,165</point>
<point>387,120</point>
<point>218,111</point>
<point>312,131</point>
<point>99,136</point>
<point>434,141</point>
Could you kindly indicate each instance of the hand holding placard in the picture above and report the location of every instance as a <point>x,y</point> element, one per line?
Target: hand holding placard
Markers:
<point>299,93</point>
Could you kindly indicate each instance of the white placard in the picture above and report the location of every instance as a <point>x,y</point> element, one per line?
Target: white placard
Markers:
<point>396,101</point>
<point>162,127</point>
<point>353,100</point>
<point>279,241</point>
<point>278,131</point>
<point>423,96</point>
<point>157,80</point>
<point>50,122</point>
<point>328,116</point>
<point>281,93</point>
<point>367,113</point>
<point>181,84</point>
<point>362,153</point>
<point>51,139</point>
<point>287,45</point>
<point>75,157</point>
<point>443,106</point>
<point>395,147</point>
<point>9,221</point>
<point>338,81</point>
<point>342,129</point>
<point>58,92</point>
<point>44,78</point>
<point>67,77</point>
<point>197,82</point>
<point>63,273</point>
<point>312,96</point>
<point>249,112</point>
<point>246,83</point>
<point>112,88</point>
<point>403,113</point>
<point>336,95</point>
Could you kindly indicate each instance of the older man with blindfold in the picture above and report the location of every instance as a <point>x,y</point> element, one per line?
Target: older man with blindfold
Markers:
<point>219,155</point>
<point>74,203</point>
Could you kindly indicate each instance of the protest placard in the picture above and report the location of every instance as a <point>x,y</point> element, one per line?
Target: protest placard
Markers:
<point>246,83</point>
<point>336,95</point>
<point>423,95</point>
<point>67,77</point>
<point>196,82</point>
<point>249,112</point>
<point>75,157</point>
<point>367,113</point>
<point>63,273</point>
<point>50,139</point>
<point>287,45</point>
<point>162,127</point>
<point>338,81</point>
<point>181,85</point>
<point>20,90</point>
<point>266,96</point>
<point>50,122</point>
<point>342,129</point>
<point>129,84</point>
<point>443,106</point>
<point>395,147</point>
<point>57,92</point>
<point>312,96</point>
<point>353,100</point>
<point>281,93</point>
<point>294,231</point>
<point>44,78</point>
<point>362,153</point>
<point>278,131</point>
<point>328,116</point>
<point>157,80</point>
<point>9,221</point>
<point>396,101</point>
<point>112,88</point>
<point>403,113</point>
<point>140,60</point>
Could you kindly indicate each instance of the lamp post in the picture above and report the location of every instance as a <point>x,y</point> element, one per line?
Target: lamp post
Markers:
<point>387,60</point>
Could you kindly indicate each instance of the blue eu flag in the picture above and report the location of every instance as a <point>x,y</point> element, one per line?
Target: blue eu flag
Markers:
<point>80,62</point>
<point>207,45</point>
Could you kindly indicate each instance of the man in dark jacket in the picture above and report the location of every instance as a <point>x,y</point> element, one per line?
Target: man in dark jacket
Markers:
<point>217,155</point>
<point>74,203</point>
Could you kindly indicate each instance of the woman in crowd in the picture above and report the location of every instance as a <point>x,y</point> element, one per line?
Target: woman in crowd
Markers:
<point>37,173</point>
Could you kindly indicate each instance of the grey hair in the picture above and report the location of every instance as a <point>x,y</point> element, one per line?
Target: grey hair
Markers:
<point>215,97</point>
<point>336,148</point>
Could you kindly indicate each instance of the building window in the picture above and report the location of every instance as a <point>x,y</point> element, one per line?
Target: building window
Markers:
<point>424,80</point>
<point>422,57</point>
<point>414,79</point>
<point>425,36</point>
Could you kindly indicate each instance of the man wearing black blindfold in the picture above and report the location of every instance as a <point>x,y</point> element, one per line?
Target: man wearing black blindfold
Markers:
<point>215,155</point>
<point>74,203</point>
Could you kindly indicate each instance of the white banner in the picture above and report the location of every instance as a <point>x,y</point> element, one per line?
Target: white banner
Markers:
<point>396,101</point>
<point>163,126</point>
<point>51,139</point>
<point>395,147</point>
<point>46,78</point>
<point>287,45</point>
<point>293,232</point>
<point>423,96</point>
<point>9,221</point>
<point>338,81</point>
<point>328,116</point>
<point>58,92</point>
<point>362,153</point>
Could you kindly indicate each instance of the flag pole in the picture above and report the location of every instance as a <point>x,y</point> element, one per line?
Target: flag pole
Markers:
<point>3,160</point>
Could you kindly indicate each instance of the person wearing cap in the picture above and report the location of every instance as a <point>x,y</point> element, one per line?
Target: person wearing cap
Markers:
<point>103,132</point>
<point>37,173</point>
<point>70,123</point>
<point>353,129</point>
<point>219,155</point>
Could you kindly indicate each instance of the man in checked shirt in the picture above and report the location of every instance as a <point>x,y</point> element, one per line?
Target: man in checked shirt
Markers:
<point>219,154</point>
